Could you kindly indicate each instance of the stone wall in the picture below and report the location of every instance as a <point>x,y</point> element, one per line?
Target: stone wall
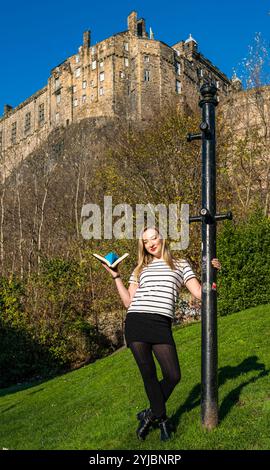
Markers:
<point>248,109</point>
<point>128,75</point>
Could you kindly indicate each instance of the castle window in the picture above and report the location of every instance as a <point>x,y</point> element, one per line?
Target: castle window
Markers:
<point>101,76</point>
<point>92,83</point>
<point>126,62</point>
<point>146,75</point>
<point>74,88</point>
<point>101,63</point>
<point>146,58</point>
<point>101,91</point>
<point>75,102</point>
<point>126,46</point>
<point>41,115</point>
<point>56,83</point>
<point>56,117</point>
<point>77,58</point>
<point>13,132</point>
<point>84,84</point>
<point>83,98</point>
<point>178,68</point>
<point>77,72</point>
<point>122,74</point>
<point>217,84</point>
<point>93,50</point>
<point>178,87</point>
<point>27,122</point>
<point>201,72</point>
<point>94,64</point>
<point>58,98</point>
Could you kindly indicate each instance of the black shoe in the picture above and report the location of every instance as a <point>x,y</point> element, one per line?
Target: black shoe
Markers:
<point>145,424</point>
<point>142,414</point>
<point>165,429</point>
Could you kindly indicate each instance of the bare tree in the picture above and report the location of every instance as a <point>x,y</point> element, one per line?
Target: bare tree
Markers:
<point>247,125</point>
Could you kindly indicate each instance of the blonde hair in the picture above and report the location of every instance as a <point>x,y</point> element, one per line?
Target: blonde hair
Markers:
<point>144,258</point>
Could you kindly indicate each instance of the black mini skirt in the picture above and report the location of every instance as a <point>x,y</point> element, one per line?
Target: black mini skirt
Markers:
<point>148,327</point>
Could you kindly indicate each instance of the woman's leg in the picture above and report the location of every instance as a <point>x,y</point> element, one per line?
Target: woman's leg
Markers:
<point>167,357</point>
<point>142,353</point>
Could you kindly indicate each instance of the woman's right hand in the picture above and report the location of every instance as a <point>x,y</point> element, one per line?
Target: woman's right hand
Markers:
<point>113,272</point>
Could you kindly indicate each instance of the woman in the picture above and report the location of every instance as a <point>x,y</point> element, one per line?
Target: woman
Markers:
<point>150,301</point>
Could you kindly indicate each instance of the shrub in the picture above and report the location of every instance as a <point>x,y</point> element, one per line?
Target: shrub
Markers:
<point>21,357</point>
<point>44,323</point>
<point>245,256</point>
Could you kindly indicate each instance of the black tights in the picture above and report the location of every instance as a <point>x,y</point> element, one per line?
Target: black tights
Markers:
<point>158,392</point>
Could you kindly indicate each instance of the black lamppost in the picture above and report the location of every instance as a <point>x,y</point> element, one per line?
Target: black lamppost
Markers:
<point>208,218</point>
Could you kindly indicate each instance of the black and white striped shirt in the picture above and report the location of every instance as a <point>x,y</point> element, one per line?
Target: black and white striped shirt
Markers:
<point>159,286</point>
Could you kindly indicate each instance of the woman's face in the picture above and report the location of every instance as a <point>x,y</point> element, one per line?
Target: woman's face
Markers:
<point>152,242</point>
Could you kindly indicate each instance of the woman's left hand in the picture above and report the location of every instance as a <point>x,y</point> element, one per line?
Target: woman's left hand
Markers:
<point>216,263</point>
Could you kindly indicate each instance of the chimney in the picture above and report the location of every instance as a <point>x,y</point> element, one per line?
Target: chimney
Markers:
<point>87,39</point>
<point>132,23</point>
<point>7,108</point>
<point>141,28</point>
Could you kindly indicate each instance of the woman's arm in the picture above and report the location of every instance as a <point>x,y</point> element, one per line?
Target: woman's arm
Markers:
<point>194,288</point>
<point>126,295</point>
<point>193,284</point>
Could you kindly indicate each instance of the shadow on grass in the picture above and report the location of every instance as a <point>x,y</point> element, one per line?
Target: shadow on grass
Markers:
<point>25,363</point>
<point>232,399</point>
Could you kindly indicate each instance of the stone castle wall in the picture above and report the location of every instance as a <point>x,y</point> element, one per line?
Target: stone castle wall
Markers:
<point>244,110</point>
<point>128,75</point>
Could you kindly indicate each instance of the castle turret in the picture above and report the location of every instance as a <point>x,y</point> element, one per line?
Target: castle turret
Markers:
<point>236,83</point>
<point>191,45</point>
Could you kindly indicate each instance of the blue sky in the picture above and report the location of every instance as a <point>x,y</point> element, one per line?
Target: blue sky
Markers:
<point>37,36</point>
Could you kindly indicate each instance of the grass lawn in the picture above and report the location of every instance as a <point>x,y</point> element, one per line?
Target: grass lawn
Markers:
<point>95,407</point>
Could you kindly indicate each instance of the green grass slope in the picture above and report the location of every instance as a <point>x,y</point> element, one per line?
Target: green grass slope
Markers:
<point>95,407</point>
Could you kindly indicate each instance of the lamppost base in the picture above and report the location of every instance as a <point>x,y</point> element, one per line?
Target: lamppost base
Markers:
<point>210,417</point>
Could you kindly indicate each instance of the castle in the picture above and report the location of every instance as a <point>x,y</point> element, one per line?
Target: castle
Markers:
<point>130,75</point>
